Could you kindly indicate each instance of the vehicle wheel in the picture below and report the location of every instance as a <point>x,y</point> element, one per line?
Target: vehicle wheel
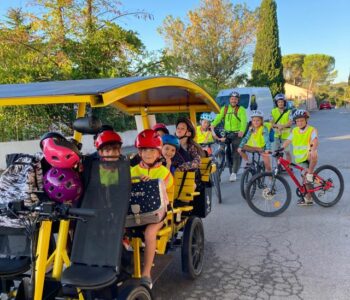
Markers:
<point>330,182</point>
<point>215,180</point>
<point>135,292</point>
<point>246,176</point>
<point>220,160</point>
<point>192,251</point>
<point>268,195</point>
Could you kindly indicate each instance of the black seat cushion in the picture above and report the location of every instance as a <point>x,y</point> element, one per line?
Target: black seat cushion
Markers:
<point>14,266</point>
<point>89,277</point>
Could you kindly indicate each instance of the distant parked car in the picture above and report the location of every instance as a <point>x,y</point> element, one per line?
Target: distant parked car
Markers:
<point>325,105</point>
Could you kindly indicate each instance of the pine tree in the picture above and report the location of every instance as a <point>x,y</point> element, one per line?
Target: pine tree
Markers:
<point>267,65</point>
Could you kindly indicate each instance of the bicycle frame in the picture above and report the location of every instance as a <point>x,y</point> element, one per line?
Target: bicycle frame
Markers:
<point>302,187</point>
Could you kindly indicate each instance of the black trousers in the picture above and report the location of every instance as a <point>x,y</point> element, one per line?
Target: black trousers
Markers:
<point>233,158</point>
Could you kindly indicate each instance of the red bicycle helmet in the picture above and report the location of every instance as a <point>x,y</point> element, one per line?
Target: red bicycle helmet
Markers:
<point>59,152</point>
<point>149,139</point>
<point>160,126</point>
<point>107,137</point>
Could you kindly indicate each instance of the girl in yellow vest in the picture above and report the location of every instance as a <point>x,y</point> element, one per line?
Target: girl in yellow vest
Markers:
<point>203,132</point>
<point>257,139</point>
<point>281,121</point>
<point>149,145</point>
<point>304,139</point>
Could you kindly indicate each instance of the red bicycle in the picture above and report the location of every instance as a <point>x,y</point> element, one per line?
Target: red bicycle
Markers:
<point>269,194</point>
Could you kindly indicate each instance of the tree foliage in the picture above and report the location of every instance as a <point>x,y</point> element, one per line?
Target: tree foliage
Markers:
<point>318,69</point>
<point>65,39</point>
<point>293,68</point>
<point>213,43</point>
<point>267,64</point>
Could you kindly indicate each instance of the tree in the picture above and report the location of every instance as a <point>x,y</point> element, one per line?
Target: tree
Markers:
<point>267,65</point>
<point>66,39</point>
<point>293,68</point>
<point>318,70</point>
<point>213,44</point>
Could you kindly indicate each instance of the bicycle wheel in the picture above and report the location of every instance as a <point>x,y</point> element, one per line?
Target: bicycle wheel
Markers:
<point>331,182</point>
<point>220,160</point>
<point>215,180</point>
<point>246,177</point>
<point>268,195</point>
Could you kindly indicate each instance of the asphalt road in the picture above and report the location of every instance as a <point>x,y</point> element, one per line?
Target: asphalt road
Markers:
<point>302,254</point>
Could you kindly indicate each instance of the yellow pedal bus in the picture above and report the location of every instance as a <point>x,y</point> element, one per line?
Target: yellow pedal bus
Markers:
<point>92,264</point>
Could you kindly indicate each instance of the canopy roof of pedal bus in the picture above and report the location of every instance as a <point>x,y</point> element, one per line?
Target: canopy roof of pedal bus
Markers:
<point>132,95</point>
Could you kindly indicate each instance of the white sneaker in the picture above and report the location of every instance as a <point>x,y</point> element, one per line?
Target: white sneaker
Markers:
<point>310,177</point>
<point>233,177</point>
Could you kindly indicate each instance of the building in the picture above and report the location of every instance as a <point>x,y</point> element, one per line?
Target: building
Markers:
<point>300,96</point>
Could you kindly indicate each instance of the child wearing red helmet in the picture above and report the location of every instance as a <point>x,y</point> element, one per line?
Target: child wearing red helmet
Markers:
<point>149,145</point>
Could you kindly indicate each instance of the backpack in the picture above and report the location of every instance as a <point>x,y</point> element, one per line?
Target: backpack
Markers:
<point>235,112</point>
<point>21,180</point>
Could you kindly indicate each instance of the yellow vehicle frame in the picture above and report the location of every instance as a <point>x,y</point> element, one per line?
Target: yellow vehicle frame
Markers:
<point>135,96</point>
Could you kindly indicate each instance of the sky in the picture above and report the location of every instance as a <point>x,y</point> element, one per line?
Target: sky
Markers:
<point>305,26</point>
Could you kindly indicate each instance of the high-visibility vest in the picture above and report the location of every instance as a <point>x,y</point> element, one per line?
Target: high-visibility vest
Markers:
<point>301,143</point>
<point>158,172</point>
<point>256,138</point>
<point>204,137</point>
<point>284,133</point>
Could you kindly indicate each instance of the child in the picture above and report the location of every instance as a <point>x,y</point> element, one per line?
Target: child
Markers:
<point>257,139</point>
<point>108,144</point>
<point>170,145</point>
<point>304,139</point>
<point>149,145</point>
<point>203,132</point>
<point>161,129</point>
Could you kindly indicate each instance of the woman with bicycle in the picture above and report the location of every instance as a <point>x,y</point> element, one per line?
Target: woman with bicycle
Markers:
<point>257,139</point>
<point>304,139</point>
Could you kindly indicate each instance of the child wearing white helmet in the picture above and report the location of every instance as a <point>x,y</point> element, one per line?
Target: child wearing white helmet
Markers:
<point>304,139</point>
<point>257,139</point>
<point>203,132</point>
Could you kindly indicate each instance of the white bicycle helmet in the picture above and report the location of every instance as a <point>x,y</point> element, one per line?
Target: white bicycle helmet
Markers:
<point>301,113</point>
<point>257,113</point>
<point>206,116</point>
<point>280,97</point>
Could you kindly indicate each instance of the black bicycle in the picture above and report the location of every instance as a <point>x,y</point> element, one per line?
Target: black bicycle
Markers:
<point>255,166</point>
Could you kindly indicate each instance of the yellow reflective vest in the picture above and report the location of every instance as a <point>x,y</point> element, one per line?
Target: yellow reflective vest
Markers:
<point>256,138</point>
<point>301,143</point>
<point>157,172</point>
<point>204,137</point>
<point>284,133</point>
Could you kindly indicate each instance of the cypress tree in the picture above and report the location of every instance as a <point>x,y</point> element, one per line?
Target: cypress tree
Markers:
<point>267,65</point>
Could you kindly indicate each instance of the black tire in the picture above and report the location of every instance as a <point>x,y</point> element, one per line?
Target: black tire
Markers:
<point>192,251</point>
<point>319,196</point>
<point>246,176</point>
<point>135,292</point>
<point>215,180</point>
<point>220,160</point>
<point>24,291</point>
<point>262,184</point>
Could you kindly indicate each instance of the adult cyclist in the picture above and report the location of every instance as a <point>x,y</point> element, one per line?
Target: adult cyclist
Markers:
<point>281,121</point>
<point>235,123</point>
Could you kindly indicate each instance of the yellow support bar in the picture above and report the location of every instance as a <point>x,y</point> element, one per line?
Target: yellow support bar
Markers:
<point>60,249</point>
<point>42,251</point>
<point>136,245</point>
<point>80,113</point>
<point>144,117</point>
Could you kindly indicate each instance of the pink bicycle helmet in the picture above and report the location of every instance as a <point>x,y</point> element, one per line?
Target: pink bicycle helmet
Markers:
<point>62,185</point>
<point>59,152</point>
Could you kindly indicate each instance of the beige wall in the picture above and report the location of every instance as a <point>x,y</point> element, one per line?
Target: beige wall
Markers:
<point>297,93</point>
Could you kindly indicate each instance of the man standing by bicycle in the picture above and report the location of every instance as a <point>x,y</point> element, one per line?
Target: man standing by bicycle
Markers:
<point>281,121</point>
<point>235,123</point>
<point>304,139</point>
